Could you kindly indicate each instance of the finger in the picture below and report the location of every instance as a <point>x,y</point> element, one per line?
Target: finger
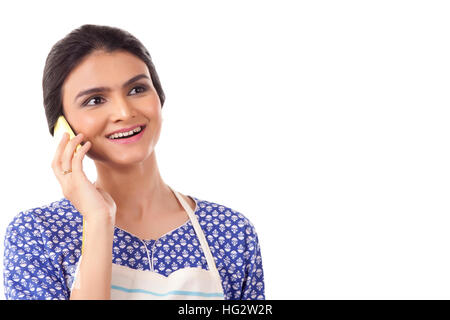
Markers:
<point>56,163</point>
<point>66,161</point>
<point>77,161</point>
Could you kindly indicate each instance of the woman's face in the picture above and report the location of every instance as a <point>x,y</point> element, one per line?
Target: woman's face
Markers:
<point>117,106</point>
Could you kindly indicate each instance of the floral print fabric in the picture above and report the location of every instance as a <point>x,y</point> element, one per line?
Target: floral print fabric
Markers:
<point>43,246</point>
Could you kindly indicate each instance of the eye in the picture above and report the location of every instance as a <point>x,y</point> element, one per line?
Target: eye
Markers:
<point>144,88</point>
<point>86,103</point>
<point>93,98</point>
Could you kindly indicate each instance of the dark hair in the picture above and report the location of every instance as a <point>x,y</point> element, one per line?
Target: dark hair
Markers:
<point>68,52</point>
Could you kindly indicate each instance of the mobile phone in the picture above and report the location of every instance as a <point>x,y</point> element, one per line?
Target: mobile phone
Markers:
<point>62,126</point>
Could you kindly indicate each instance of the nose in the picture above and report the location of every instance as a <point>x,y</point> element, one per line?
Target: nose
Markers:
<point>122,109</point>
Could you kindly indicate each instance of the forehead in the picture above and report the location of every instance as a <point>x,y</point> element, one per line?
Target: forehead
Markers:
<point>103,69</point>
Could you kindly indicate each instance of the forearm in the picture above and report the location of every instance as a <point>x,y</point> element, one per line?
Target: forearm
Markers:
<point>93,280</point>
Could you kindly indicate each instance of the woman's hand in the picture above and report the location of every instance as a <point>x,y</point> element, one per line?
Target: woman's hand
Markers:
<point>91,201</point>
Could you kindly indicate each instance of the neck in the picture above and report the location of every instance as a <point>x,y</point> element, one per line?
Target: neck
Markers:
<point>138,190</point>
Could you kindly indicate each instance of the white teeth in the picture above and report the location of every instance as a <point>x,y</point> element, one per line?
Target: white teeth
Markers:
<point>124,134</point>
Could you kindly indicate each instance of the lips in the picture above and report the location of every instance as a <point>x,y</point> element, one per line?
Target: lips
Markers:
<point>126,129</point>
<point>130,139</point>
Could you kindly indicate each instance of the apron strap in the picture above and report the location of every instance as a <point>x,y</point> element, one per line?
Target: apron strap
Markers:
<point>199,232</point>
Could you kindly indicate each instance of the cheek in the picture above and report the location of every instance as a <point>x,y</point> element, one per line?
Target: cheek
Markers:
<point>90,127</point>
<point>154,104</point>
<point>151,111</point>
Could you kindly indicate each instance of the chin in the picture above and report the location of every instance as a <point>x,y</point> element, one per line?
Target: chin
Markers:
<point>129,158</point>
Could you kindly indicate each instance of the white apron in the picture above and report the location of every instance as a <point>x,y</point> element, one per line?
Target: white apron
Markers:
<point>193,283</point>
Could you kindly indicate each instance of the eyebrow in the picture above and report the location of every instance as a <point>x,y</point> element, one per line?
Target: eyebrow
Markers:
<point>106,89</point>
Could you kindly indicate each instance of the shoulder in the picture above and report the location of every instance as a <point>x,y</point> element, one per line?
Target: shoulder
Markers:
<point>34,222</point>
<point>220,220</point>
<point>35,252</point>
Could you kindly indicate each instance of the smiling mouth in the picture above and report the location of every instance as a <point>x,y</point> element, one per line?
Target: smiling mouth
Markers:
<point>132,133</point>
<point>130,139</point>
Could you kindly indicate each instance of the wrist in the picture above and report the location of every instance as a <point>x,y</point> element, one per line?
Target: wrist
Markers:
<point>100,219</point>
<point>98,234</point>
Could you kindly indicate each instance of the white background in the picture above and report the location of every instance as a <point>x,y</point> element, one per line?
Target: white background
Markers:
<point>326,123</point>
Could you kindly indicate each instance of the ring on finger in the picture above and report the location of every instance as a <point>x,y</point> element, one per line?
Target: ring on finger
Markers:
<point>67,171</point>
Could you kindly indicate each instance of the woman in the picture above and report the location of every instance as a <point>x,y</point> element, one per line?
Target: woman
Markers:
<point>141,238</point>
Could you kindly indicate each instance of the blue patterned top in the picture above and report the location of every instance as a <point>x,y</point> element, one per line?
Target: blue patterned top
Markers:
<point>43,246</point>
